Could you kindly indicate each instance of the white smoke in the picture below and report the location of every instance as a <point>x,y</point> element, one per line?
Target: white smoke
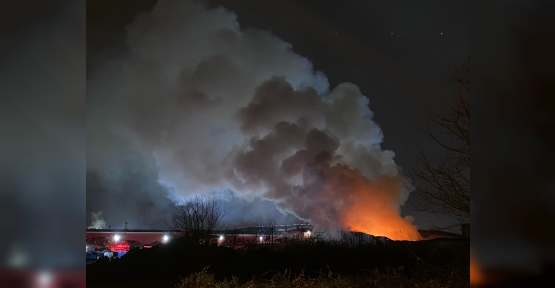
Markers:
<point>223,108</point>
<point>97,221</point>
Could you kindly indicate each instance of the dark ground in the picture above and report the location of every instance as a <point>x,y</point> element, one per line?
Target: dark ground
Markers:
<point>162,266</point>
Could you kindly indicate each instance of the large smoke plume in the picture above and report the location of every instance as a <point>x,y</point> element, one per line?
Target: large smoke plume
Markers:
<point>216,108</point>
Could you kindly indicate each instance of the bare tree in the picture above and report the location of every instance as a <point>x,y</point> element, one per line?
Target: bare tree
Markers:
<point>269,229</point>
<point>253,241</point>
<point>196,219</point>
<point>443,180</point>
<point>261,231</point>
<point>232,238</point>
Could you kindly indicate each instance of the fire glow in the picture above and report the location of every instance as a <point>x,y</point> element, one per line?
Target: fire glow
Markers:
<point>283,134</point>
<point>477,277</point>
<point>374,219</point>
<point>367,206</point>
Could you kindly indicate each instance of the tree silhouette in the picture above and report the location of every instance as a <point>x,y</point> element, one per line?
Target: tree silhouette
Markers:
<point>443,183</point>
<point>196,219</point>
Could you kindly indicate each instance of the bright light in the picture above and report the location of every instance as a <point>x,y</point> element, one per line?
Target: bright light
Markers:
<point>261,238</point>
<point>116,238</point>
<point>221,237</point>
<point>308,233</point>
<point>166,238</point>
<point>44,279</point>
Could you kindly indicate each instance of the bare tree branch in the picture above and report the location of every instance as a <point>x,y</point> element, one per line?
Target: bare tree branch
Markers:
<point>269,230</point>
<point>196,219</point>
<point>443,184</point>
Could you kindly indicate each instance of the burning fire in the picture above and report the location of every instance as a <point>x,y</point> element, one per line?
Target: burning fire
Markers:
<point>371,206</point>
<point>390,225</point>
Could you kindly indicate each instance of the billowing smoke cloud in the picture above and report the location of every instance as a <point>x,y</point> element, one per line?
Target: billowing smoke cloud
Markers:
<point>97,221</point>
<point>217,108</point>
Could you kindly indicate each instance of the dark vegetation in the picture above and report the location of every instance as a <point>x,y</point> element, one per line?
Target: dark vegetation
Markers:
<point>434,263</point>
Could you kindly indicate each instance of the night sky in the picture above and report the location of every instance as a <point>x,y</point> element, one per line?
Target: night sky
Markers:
<point>401,54</point>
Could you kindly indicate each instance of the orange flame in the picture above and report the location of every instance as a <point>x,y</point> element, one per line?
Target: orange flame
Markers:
<point>379,220</point>
<point>372,206</point>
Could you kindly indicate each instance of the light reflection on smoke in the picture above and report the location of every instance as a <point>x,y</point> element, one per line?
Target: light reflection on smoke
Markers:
<point>229,108</point>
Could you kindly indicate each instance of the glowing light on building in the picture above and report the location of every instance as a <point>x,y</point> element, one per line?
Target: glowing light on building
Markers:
<point>221,237</point>
<point>166,238</point>
<point>116,238</point>
<point>120,247</point>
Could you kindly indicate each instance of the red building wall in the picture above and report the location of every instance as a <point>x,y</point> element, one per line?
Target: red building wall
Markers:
<point>141,236</point>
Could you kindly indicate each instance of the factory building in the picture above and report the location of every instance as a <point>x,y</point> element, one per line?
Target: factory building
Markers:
<point>119,235</point>
<point>119,241</point>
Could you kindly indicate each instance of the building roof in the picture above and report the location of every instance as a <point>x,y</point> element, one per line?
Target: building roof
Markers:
<point>131,230</point>
<point>256,230</point>
<point>426,234</point>
<point>433,234</point>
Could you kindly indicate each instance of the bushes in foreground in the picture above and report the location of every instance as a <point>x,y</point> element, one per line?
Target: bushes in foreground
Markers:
<point>375,279</point>
<point>414,262</point>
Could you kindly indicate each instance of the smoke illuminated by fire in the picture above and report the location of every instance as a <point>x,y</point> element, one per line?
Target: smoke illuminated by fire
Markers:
<point>378,217</point>
<point>215,108</point>
<point>364,205</point>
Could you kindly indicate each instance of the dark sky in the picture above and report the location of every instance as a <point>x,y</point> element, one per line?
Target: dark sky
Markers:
<point>404,75</point>
<point>402,54</point>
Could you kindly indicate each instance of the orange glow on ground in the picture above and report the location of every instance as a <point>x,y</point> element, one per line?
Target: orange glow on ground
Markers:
<point>477,277</point>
